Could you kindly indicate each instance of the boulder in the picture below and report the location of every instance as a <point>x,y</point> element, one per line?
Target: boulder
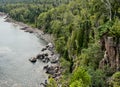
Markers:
<point>29,30</point>
<point>40,56</point>
<point>24,28</point>
<point>46,67</point>
<point>44,84</point>
<point>43,49</point>
<point>33,59</point>
<point>54,59</point>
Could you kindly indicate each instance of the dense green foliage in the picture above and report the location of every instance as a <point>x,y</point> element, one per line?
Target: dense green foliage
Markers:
<point>34,1</point>
<point>77,27</point>
<point>29,11</point>
<point>80,78</point>
<point>116,79</point>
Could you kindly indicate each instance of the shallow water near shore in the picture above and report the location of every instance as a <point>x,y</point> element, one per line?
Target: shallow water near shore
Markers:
<point>16,47</point>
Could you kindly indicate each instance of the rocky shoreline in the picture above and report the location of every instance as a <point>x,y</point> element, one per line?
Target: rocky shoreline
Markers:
<point>47,54</point>
<point>2,14</point>
<point>52,68</point>
<point>47,37</point>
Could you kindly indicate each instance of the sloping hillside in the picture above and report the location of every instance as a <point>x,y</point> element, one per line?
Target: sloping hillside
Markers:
<point>86,34</point>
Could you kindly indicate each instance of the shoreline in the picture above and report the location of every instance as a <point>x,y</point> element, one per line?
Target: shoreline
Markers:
<point>2,14</point>
<point>53,68</point>
<point>27,28</point>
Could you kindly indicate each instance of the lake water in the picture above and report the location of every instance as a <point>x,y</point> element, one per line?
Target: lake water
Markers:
<point>16,47</point>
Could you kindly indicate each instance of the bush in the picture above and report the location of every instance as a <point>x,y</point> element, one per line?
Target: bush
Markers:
<point>115,82</point>
<point>81,77</point>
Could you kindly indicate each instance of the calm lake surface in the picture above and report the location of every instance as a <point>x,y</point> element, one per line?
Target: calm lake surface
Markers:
<point>16,47</point>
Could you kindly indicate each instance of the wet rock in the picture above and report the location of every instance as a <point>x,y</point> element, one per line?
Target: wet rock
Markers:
<point>46,60</point>
<point>8,20</point>
<point>47,46</point>
<point>45,67</point>
<point>43,49</point>
<point>43,57</point>
<point>55,71</point>
<point>45,54</point>
<point>24,28</point>
<point>54,59</point>
<point>44,84</point>
<point>29,30</point>
<point>33,59</point>
<point>40,56</point>
<point>50,45</point>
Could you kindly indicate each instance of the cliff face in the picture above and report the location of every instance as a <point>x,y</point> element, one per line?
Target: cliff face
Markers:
<point>111,48</point>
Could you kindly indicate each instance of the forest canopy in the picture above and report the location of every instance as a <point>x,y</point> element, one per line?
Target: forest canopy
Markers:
<point>77,27</point>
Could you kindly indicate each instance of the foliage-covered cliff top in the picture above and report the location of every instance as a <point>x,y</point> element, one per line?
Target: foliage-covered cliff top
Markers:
<point>77,28</point>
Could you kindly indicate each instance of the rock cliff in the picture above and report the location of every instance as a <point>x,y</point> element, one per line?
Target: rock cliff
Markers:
<point>111,48</point>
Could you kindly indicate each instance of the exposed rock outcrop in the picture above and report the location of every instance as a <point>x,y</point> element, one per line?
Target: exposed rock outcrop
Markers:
<point>27,29</point>
<point>111,48</point>
<point>48,56</point>
<point>54,71</point>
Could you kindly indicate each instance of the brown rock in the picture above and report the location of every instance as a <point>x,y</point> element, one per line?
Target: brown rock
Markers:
<point>111,46</point>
